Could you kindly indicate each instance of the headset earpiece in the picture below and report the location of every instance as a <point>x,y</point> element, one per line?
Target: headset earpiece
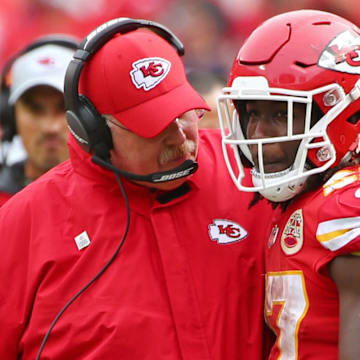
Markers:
<point>93,135</point>
<point>88,127</point>
<point>7,117</point>
<point>8,124</point>
<point>7,111</point>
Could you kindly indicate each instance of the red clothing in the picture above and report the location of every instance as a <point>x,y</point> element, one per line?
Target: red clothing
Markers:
<point>4,197</point>
<point>301,298</point>
<point>186,285</point>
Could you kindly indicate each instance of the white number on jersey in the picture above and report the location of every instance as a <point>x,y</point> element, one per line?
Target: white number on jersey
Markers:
<point>287,291</point>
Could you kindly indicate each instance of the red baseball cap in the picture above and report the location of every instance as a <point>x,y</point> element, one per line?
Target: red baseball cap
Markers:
<point>139,78</point>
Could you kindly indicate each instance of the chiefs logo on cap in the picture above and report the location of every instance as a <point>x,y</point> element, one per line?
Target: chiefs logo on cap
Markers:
<point>149,72</point>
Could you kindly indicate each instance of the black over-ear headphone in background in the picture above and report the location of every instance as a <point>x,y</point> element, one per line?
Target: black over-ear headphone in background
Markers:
<point>86,124</point>
<point>7,118</point>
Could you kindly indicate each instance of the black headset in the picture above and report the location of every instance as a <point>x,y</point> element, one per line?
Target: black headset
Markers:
<point>7,116</point>
<point>86,124</point>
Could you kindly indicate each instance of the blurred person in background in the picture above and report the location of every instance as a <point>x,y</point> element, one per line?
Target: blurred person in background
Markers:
<point>32,108</point>
<point>203,28</point>
<point>23,20</point>
<point>211,28</point>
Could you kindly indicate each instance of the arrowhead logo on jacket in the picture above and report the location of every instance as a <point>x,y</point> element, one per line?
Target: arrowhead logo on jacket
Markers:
<point>226,231</point>
<point>149,72</point>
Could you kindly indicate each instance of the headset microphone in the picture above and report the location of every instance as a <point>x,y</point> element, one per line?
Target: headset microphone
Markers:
<point>185,169</point>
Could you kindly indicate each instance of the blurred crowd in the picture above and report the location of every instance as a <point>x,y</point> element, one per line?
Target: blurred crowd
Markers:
<point>211,30</point>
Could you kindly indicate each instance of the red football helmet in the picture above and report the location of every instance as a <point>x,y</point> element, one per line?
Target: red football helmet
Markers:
<point>304,56</point>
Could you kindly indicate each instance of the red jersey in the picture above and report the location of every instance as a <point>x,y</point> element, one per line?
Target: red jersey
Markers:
<point>301,303</point>
<point>188,283</point>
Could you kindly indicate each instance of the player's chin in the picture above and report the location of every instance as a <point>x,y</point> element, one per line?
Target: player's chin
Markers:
<point>274,166</point>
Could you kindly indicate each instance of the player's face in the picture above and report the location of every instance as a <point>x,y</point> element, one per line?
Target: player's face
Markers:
<point>269,119</point>
<point>41,123</point>
<point>138,155</point>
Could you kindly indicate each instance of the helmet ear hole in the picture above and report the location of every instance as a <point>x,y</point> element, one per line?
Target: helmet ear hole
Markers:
<point>354,119</point>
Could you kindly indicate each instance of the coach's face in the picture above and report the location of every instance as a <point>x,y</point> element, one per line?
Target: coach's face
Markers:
<point>138,155</point>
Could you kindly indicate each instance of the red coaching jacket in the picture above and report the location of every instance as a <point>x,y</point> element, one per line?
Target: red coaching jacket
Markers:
<point>188,283</point>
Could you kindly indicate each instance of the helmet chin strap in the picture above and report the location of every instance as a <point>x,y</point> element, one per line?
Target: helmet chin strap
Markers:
<point>275,192</point>
<point>187,168</point>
